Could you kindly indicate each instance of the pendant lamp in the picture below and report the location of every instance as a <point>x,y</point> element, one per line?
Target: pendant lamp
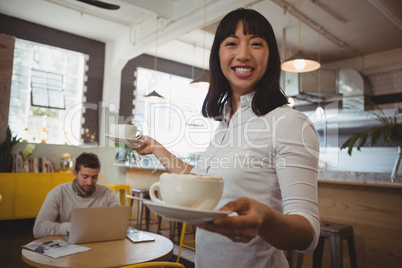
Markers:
<point>203,80</point>
<point>300,63</point>
<point>155,96</point>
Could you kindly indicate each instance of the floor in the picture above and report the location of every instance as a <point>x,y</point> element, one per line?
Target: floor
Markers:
<point>15,233</point>
<point>187,256</point>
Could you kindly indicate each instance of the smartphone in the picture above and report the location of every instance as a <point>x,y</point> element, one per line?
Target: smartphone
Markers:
<point>138,236</point>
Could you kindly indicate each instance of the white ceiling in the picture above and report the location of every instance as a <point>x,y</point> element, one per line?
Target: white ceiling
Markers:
<point>355,28</point>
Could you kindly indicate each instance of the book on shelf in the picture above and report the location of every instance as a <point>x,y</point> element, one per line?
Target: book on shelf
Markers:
<point>32,164</point>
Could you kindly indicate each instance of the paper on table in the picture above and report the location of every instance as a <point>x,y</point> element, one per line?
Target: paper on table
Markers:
<point>55,248</point>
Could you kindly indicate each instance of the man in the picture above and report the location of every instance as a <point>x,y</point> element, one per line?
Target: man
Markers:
<point>55,214</point>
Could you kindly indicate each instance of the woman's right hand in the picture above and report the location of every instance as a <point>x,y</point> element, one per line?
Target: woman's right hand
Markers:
<point>172,164</point>
<point>146,145</point>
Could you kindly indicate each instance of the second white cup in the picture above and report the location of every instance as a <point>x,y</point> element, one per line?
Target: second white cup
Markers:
<point>125,131</point>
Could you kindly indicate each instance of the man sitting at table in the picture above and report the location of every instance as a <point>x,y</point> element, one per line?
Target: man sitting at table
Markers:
<point>55,214</point>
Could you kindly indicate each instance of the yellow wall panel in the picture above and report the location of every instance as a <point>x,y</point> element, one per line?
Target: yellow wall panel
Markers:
<point>7,187</point>
<point>31,190</point>
<point>61,177</point>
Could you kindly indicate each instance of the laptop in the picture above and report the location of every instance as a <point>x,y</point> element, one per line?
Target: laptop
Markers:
<point>96,224</point>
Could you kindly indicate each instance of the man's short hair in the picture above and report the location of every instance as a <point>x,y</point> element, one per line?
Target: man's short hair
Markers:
<point>88,160</point>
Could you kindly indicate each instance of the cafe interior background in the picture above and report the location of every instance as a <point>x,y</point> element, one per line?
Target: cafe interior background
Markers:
<point>106,61</point>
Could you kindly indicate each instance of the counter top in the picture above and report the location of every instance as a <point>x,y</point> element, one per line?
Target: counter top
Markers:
<point>325,176</point>
<point>363,178</point>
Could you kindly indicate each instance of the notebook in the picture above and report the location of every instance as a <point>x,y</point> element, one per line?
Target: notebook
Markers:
<point>98,224</point>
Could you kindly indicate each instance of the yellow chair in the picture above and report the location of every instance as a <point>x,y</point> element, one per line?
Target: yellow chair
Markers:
<point>182,243</point>
<point>103,179</point>
<point>155,265</point>
<point>122,190</point>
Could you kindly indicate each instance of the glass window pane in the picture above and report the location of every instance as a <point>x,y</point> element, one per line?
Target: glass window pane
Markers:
<point>176,122</point>
<point>56,99</point>
<point>38,74</point>
<point>40,97</point>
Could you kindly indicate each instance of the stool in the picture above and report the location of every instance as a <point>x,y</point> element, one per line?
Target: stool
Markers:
<point>172,229</point>
<point>335,233</point>
<point>188,243</point>
<point>141,194</point>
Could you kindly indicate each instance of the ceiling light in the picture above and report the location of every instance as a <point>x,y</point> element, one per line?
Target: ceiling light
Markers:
<point>203,80</point>
<point>299,63</point>
<point>155,96</point>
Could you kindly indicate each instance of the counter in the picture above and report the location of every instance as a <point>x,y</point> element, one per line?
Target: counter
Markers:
<point>369,202</point>
<point>363,178</point>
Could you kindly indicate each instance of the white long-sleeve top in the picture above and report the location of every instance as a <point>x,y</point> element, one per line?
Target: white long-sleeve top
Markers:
<point>55,214</point>
<point>272,159</point>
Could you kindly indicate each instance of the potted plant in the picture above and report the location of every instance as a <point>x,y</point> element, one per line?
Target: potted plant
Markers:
<point>126,155</point>
<point>6,159</point>
<point>390,130</point>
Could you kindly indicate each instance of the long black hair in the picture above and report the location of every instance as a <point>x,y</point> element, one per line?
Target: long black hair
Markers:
<point>268,94</point>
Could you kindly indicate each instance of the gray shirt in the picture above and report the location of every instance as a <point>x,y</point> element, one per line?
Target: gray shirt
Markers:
<point>55,214</point>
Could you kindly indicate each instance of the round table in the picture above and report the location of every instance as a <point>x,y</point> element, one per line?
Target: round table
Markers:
<point>105,254</point>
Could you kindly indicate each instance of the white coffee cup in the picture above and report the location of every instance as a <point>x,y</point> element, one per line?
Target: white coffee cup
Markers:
<point>187,190</point>
<point>125,131</point>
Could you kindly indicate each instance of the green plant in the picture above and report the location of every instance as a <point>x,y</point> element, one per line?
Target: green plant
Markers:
<point>124,153</point>
<point>7,145</point>
<point>391,130</point>
<point>27,151</point>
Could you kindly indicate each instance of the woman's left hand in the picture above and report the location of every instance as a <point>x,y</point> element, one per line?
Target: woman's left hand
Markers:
<point>244,227</point>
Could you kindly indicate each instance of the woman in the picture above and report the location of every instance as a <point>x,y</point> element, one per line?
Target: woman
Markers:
<point>262,149</point>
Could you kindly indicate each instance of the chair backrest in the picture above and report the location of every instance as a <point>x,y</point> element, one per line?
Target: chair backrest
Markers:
<point>155,265</point>
<point>122,190</point>
<point>102,178</point>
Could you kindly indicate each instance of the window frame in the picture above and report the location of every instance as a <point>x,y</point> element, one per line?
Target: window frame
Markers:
<point>95,50</point>
<point>50,106</point>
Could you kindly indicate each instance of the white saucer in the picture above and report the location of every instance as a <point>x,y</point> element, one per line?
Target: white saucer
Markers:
<point>124,141</point>
<point>183,214</point>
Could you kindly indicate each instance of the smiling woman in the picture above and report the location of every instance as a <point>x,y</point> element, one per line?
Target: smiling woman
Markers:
<point>244,60</point>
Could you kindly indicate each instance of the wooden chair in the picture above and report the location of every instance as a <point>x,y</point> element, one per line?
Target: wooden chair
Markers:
<point>155,265</point>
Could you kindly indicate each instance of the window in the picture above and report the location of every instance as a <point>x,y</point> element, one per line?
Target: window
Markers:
<point>177,121</point>
<point>46,93</point>
<point>47,89</point>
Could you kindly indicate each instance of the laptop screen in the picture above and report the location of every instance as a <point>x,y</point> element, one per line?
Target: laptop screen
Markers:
<point>96,224</point>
